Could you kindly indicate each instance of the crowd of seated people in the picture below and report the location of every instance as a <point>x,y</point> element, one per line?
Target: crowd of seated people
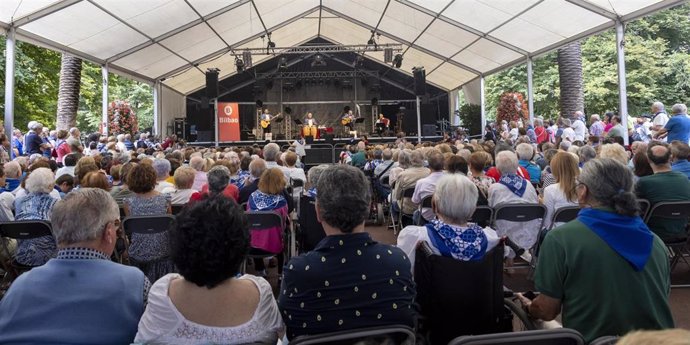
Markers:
<point>201,295</point>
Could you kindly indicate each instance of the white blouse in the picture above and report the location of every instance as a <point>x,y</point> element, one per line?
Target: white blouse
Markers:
<point>162,323</point>
<point>554,198</point>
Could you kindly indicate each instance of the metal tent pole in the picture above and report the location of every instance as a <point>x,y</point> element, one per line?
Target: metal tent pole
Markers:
<point>9,84</point>
<point>622,84</point>
<point>104,102</point>
<point>530,91</point>
<point>419,121</point>
<point>483,103</point>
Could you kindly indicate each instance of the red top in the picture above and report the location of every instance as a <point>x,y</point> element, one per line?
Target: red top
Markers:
<point>62,150</point>
<point>495,174</point>
<point>231,191</point>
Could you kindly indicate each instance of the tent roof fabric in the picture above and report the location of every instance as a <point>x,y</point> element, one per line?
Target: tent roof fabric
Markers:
<point>456,41</point>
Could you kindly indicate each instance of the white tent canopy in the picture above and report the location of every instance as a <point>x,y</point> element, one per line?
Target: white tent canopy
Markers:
<point>177,40</point>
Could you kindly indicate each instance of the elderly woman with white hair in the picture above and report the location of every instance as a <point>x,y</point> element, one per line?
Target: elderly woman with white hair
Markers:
<point>162,167</point>
<point>450,234</point>
<point>513,189</point>
<point>198,164</point>
<point>36,205</point>
<point>408,179</point>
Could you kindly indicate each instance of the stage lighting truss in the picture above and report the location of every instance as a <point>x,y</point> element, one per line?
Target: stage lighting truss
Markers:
<point>397,60</point>
<point>315,75</point>
<point>328,48</point>
<point>239,64</point>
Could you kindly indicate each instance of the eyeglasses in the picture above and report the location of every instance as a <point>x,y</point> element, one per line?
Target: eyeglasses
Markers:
<point>116,223</point>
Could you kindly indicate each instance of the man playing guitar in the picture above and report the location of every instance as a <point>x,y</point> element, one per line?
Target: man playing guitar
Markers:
<point>266,119</point>
<point>347,120</point>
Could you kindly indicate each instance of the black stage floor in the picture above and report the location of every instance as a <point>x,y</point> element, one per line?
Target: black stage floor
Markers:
<point>335,142</point>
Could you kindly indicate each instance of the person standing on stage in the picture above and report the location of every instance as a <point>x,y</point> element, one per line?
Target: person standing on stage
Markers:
<point>266,116</point>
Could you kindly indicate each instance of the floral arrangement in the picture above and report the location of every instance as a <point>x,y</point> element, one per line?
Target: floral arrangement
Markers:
<point>512,108</point>
<point>121,118</point>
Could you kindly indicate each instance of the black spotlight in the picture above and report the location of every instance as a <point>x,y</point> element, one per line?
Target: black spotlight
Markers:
<point>318,61</point>
<point>259,103</point>
<point>288,110</point>
<point>282,63</point>
<point>397,60</point>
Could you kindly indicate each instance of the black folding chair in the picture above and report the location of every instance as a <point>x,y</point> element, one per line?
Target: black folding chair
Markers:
<point>644,207</point>
<point>564,215</point>
<point>147,225</point>
<point>296,183</point>
<point>310,230</point>
<point>262,221</point>
<point>520,213</point>
<point>605,340</point>
<point>399,334</point>
<point>482,215</point>
<point>20,230</point>
<point>676,210</point>
<point>405,219</point>
<point>177,208</point>
<point>426,203</point>
<point>558,336</point>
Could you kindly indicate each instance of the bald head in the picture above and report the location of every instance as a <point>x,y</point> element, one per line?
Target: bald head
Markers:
<point>659,154</point>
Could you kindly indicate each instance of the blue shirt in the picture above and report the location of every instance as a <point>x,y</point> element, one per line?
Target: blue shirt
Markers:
<point>348,281</point>
<point>678,128</point>
<point>682,167</point>
<point>533,170</point>
<point>19,146</point>
<point>33,143</point>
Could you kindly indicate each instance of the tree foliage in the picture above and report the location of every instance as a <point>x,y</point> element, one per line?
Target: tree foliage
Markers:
<point>37,77</point>
<point>657,62</point>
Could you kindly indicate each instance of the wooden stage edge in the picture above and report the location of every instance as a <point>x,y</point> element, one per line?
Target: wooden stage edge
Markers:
<point>336,141</point>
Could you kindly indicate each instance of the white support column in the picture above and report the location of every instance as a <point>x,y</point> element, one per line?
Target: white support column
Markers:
<point>215,121</point>
<point>530,91</point>
<point>104,109</point>
<point>9,85</point>
<point>419,121</point>
<point>622,84</point>
<point>157,105</point>
<point>482,103</point>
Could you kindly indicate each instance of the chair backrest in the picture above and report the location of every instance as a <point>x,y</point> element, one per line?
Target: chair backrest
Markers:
<point>260,220</point>
<point>122,212</point>
<point>426,202</point>
<point>670,210</point>
<point>459,297</point>
<point>147,224</point>
<point>605,340</point>
<point>519,212</point>
<point>296,183</point>
<point>399,333</point>
<point>177,208</point>
<point>385,180</point>
<point>25,229</point>
<point>644,207</point>
<point>310,230</point>
<point>565,214</point>
<point>408,193</point>
<point>557,336</point>
<point>482,215</point>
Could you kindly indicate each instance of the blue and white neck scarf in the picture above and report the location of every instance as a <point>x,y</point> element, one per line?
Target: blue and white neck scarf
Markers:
<point>466,244</point>
<point>515,183</point>
<point>260,201</point>
<point>312,192</point>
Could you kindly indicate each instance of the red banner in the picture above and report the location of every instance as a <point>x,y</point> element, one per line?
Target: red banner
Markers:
<point>228,122</point>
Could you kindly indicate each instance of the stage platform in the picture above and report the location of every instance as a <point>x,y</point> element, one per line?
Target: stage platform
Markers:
<point>337,142</point>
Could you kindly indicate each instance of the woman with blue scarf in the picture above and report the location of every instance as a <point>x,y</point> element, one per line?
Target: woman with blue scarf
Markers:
<point>269,197</point>
<point>606,270</point>
<point>450,234</point>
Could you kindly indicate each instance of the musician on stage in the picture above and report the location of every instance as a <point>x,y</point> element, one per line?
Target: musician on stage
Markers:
<point>310,121</point>
<point>382,124</point>
<point>266,121</point>
<point>348,120</point>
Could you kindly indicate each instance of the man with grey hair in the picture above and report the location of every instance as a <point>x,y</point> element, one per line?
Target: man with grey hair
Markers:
<point>348,266</point>
<point>74,140</point>
<point>197,163</point>
<point>81,296</point>
<point>256,168</point>
<point>568,131</point>
<point>313,179</point>
<point>596,127</point>
<point>659,117</point>
<point>586,153</point>
<point>513,189</point>
<point>578,126</point>
<point>33,143</point>
<point>219,180</point>
<point>678,127</point>
<point>426,186</point>
<point>162,168</point>
<point>664,185</point>
<point>271,154</point>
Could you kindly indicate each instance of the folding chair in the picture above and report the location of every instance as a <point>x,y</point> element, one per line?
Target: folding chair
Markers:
<point>398,333</point>
<point>482,215</point>
<point>177,208</point>
<point>426,203</point>
<point>20,230</point>
<point>564,215</point>
<point>262,221</point>
<point>311,231</point>
<point>507,215</point>
<point>404,218</point>
<point>678,210</point>
<point>147,225</point>
<point>452,305</point>
<point>558,336</point>
<point>644,207</point>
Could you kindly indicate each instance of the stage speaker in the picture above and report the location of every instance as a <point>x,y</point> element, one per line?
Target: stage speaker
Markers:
<point>419,81</point>
<point>203,120</point>
<point>429,130</point>
<point>212,84</point>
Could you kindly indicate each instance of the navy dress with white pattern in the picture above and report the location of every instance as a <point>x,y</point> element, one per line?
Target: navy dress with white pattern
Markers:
<point>150,247</point>
<point>37,251</point>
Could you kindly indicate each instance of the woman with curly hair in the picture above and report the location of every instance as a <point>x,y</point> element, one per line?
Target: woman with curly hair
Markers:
<point>207,302</point>
<point>146,201</point>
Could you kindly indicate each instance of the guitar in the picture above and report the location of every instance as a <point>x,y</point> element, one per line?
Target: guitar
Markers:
<point>346,120</point>
<point>265,123</point>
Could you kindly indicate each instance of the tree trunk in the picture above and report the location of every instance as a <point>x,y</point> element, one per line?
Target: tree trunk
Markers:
<point>68,95</point>
<point>570,76</point>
